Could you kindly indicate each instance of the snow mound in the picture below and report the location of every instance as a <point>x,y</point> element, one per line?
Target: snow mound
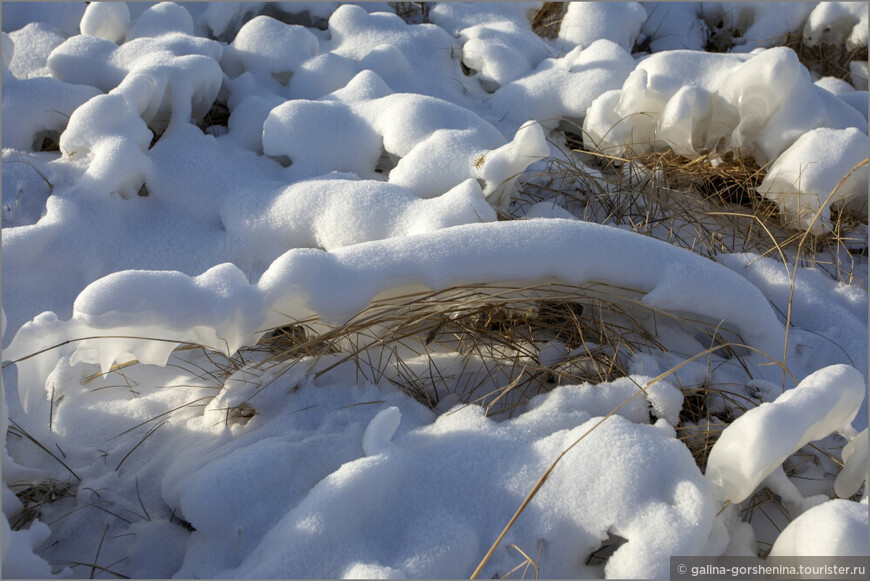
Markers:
<point>674,26</point>
<point>106,20</point>
<point>182,69</point>
<point>270,50</point>
<point>837,528</point>
<point>36,107</point>
<point>821,169</point>
<point>64,17</point>
<point>756,24</point>
<point>856,460</point>
<point>220,310</point>
<point>761,105</point>
<point>35,42</point>
<point>564,88</point>
<point>380,497</point>
<point>758,442</point>
<point>586,22</point>
<point>837,23</point>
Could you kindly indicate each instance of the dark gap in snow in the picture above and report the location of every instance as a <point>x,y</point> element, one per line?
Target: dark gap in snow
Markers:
<point>547,21</point>
<point>47,141</point>
<point>574,141</point>
<point>219,114</point>
<point>283,77</point>
<point>180,521</point>
<point>283,160</point>
<point>600,556</point>
<point>489,86</point>
<point>694,406</point>
<point>302,18</point>
<point>412,12</point>
<point>157,131</point>
<point>385,164</point>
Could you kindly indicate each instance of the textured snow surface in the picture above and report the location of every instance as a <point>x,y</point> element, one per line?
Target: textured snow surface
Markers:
<point>835,528</point>
<point>825,402</point>
<point>203,173</point>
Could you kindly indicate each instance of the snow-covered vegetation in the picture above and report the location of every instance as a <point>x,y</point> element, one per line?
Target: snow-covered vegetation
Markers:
<point>431,290</point>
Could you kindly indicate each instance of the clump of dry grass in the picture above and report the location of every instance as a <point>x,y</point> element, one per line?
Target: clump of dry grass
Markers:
<point>412,12</point>
<point>35,497</point>
<point>827,60</point>
<point>709,204</point>
<point>476,343</point>
<point>548,19</point>
<point>217,115</point>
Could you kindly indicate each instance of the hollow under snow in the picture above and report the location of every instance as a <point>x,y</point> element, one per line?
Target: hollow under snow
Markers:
<point>224,169</point>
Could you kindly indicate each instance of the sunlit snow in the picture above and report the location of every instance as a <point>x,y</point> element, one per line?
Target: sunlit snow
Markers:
<point>181,180</point>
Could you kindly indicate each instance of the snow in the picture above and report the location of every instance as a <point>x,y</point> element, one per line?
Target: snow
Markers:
<point>765,105</point>
<point>224,169</point>
<point>837,23</point>
<point>835,528</point>
<point>35,42</point>
<point>854,474</point>
<point>586,22</point>
<point>826,401</point>
<point>219,309</point>
<point>805,190</point>
<point>756,24</point>
<point>106,20</point>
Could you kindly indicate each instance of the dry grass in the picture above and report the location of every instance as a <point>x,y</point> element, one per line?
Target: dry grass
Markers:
<point>412,12</point>
<point>475,343</point>
<point>825,59</point>
<point>217,115</point>
<point>483,344</point>
<point>35,497</point>
<point>708,204</point>
<point>548,19</point>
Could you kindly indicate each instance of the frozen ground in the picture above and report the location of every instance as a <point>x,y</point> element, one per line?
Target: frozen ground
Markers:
<point>181,180</point>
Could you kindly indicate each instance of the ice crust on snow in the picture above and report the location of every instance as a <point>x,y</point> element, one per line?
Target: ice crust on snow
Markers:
<point>758,442</point>
<point>366,157</point>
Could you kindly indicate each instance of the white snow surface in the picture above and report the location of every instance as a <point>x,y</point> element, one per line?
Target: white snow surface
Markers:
<point>824,402</point>
<point>227,168</point>
<point>837,528</point>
